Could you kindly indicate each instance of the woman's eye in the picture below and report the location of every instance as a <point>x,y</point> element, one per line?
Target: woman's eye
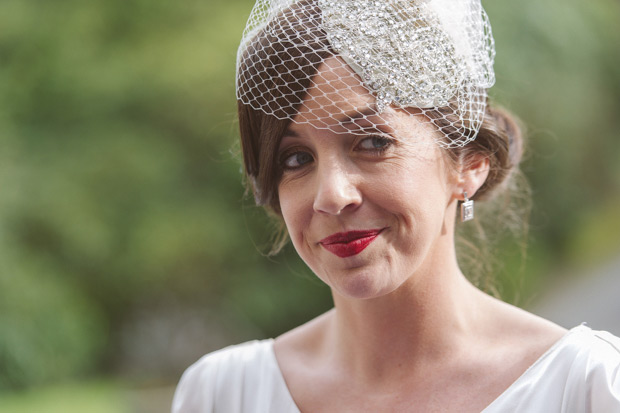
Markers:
<point>374,143</point>
<point>297,159</point>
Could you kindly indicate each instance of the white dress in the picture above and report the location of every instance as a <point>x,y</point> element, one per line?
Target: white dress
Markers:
<point>580,373</point>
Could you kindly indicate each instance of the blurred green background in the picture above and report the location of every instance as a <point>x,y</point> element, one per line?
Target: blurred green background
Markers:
<point>127,246</point>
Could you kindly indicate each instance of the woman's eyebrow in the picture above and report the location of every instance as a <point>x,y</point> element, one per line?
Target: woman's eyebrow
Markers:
<point>347,118</point>
<point>355,115</point>
<point>289,133</point>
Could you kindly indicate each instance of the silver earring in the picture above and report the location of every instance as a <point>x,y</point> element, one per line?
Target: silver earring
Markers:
<point>467,208</point>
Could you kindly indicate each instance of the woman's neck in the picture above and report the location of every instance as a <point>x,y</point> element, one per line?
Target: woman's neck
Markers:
<point>425,320</point>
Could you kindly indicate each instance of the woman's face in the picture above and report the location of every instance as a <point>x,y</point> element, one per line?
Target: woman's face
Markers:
<point>365,210</point>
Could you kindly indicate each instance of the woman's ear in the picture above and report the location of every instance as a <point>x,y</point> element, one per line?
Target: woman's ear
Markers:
<point>473,172</point>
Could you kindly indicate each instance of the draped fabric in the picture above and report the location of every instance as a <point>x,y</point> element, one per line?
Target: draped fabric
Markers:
<point>580,373</point>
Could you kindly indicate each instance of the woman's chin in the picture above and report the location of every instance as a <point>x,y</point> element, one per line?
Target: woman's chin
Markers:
<point>361,285</point>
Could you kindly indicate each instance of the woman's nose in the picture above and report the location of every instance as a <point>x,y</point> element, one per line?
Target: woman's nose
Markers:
<point>336,191</point>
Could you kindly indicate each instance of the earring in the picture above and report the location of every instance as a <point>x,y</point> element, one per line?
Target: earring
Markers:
<point>467,208</point>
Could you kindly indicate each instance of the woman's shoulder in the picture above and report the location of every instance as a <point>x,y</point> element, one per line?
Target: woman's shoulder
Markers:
<point>236,355</point>
<point>229,363</point>
<point>593,352</point>
<point>581,371</point>
<point>596,354</point>
<point>231,379</point>
<point>597,342</point>
<point>217,377</point>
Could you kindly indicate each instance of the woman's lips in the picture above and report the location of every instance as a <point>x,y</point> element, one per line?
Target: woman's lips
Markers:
<point>347,244</point>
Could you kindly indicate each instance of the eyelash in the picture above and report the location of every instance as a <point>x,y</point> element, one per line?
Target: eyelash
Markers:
<point>389,142</point>
<point>375,151</point>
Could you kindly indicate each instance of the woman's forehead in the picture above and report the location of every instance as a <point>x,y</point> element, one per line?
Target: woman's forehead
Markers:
<point>338,100</point>
<point>335,91</point>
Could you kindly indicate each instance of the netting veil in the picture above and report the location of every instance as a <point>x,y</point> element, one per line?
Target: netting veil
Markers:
<point>432,59</point>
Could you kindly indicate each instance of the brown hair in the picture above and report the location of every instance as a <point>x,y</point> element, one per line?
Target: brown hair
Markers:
<point>282,78</point>
<point>298,57</point>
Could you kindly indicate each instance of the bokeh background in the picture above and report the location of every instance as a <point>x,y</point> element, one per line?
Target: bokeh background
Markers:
<point>127,246</point>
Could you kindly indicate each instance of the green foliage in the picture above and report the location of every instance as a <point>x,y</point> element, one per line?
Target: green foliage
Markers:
<point>48,329</point>
<point>557,69</point>
<point>118,185</point>
<point>119,189</point>
<point>91,397</point>
<point>597,236</point>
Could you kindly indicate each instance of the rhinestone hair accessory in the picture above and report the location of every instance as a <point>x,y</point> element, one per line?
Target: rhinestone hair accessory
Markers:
<point>431,59</point>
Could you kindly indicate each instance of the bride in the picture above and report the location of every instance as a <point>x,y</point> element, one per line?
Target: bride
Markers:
<point>365,127</point>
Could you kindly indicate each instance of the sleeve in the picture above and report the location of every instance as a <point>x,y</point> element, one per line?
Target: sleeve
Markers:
<point>603,376</point>
<point>195,392</point>
<point>218,382</point>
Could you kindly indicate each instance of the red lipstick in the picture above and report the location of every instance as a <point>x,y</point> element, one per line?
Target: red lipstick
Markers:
<point>347,244</point>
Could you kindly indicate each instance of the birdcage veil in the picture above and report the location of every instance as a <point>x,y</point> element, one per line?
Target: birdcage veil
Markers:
<point>430,58</point>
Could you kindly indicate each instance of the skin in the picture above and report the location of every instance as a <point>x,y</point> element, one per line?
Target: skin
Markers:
<point>408,332</point>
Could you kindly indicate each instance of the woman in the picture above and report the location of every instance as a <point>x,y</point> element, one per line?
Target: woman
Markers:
<point>364,126</point>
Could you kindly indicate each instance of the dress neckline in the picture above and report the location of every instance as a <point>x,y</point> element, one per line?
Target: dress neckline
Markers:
<point>551,350</point>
